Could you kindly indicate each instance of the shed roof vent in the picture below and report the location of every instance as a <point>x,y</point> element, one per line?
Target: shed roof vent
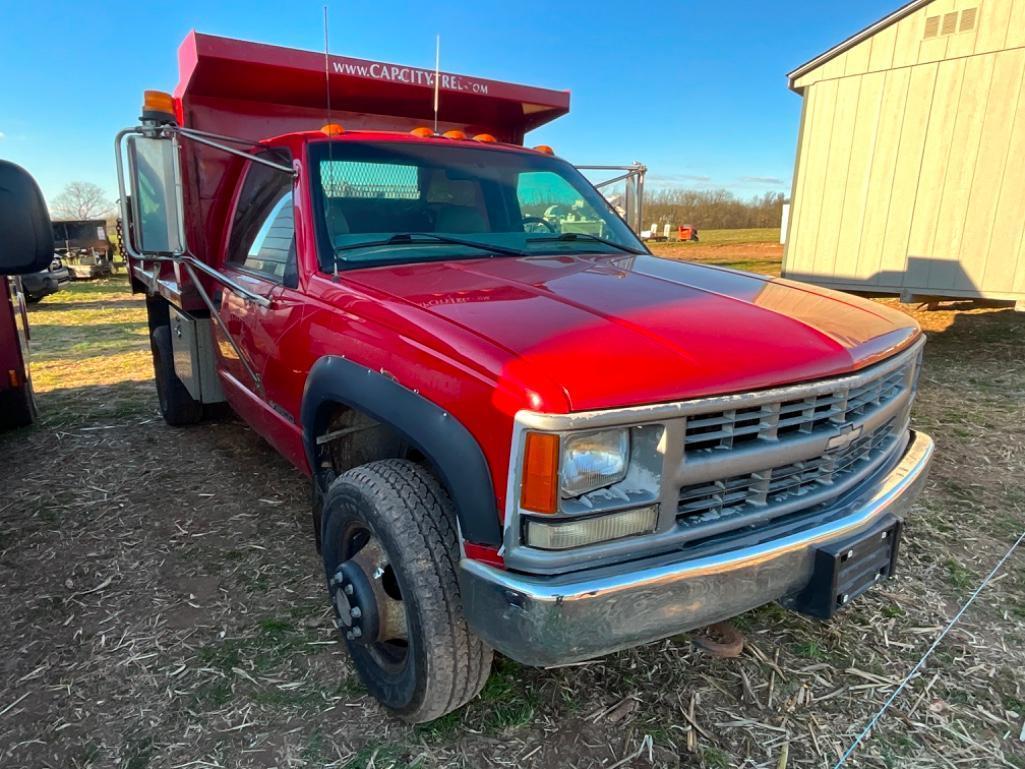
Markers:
<point>932,26</point>
<point>949,23</point>
<point>968,19</point>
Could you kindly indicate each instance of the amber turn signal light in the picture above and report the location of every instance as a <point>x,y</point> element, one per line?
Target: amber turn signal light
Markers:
<point>540,485</point>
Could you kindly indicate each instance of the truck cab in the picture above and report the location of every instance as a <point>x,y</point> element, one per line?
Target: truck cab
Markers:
<point>524,432</point>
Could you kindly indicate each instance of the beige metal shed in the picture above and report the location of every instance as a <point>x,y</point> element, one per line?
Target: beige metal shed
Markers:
<point>910,172</point>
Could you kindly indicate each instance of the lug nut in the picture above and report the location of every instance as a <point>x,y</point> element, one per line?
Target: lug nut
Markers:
<point>348,590</point>
<point>355,612</point>
<point>356,632</point>
<point>348,634</point>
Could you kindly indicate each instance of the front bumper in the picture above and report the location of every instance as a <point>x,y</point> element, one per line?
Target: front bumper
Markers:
<point>554,620</point>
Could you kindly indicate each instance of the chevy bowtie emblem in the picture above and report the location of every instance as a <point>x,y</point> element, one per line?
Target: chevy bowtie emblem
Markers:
<point>847,435</point>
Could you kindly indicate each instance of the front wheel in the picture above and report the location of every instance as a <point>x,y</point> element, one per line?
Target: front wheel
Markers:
<point>391,556</point>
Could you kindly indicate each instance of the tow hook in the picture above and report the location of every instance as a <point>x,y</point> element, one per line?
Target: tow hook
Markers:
<point>355,605</point>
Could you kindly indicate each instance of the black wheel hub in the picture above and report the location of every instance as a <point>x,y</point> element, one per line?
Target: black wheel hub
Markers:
<point>356,613</point>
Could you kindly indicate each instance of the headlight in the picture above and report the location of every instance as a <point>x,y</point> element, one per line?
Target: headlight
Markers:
<point>594,460</point>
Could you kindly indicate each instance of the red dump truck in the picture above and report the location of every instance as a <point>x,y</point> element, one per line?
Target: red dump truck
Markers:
<point>26,247</point>
<point>521,436</point>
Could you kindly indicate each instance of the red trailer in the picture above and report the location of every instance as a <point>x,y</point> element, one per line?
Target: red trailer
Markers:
<point>524,432</point>
<point>17,406</point>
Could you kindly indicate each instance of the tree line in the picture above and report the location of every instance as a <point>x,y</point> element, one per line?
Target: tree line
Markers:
<point>712,209</point>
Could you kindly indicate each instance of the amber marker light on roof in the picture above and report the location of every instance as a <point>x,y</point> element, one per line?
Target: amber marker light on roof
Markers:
<point>545,149</point>
<point>486,138</point>
<point>157,101</point>
<point>455,133</point>
<point>540,486</point>
<point>423,132</point>
<point>332,129</point>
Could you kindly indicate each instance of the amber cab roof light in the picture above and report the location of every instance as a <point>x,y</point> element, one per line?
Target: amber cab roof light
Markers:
<point>423,132</point>
<point>332,129</point>
<point>159,106</point>
<point>544,148</point>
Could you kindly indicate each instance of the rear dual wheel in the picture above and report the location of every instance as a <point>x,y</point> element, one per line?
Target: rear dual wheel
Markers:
<point>391,556</point>
<point>176,405</point>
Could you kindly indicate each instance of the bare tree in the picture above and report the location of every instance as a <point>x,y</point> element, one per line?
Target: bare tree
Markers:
<point>713,209</point>
<point>81,200</point>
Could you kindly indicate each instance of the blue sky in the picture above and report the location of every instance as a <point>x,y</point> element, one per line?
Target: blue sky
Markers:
<point>695,90</point>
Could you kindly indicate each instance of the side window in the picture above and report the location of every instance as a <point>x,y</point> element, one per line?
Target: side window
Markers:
<point>547,196</point>
<point>263,229</point>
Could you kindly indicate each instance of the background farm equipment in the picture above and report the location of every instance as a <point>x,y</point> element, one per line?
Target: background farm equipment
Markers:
<point>83,246</point>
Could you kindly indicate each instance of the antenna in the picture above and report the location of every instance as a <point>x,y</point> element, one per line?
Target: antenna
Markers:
<point>437,77</point>
<point>330,144</point>
<point>327,70</point>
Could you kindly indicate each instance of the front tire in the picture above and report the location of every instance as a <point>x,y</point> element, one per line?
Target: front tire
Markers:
<point>391,555</point>
<point>176,405</point>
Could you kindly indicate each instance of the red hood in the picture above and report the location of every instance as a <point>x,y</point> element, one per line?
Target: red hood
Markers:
<point>617,331</point>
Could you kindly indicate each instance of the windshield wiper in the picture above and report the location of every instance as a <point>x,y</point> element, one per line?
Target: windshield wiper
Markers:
<point>588,236</point>
<point>416,238</point>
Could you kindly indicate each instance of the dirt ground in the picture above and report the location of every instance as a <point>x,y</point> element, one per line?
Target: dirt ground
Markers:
<point>163,606</point>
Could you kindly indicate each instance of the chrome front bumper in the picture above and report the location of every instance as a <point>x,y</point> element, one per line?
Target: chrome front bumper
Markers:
<point>554,620</point>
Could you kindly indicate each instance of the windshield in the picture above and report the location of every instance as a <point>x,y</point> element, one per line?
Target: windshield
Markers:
<point>392,202</point>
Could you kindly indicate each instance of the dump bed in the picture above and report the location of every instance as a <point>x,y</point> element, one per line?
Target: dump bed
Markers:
<point>254,91</point>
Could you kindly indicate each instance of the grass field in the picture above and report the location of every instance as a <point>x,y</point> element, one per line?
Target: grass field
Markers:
<point>90,353</point>
<point>163,604</point>
<point>752,250</point>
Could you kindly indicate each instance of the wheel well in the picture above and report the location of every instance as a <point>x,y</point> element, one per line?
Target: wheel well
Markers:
<point>351,438</point>
<point>399,423</point>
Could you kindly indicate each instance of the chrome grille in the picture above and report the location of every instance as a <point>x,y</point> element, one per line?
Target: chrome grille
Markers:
<point>756,457</point>
<point>774,487</point>
<point>734,428</point>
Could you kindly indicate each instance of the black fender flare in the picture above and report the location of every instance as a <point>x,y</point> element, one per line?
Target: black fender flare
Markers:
<point>453,452</point>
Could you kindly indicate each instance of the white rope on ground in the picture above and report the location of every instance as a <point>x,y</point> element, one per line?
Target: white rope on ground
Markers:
<point>918,666</point>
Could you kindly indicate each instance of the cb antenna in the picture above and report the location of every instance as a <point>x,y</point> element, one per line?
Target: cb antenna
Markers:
<point>330,143</point>
<point>437,77</point>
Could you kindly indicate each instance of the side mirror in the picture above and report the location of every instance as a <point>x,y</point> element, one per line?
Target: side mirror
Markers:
<point>26,237</point>
<point>154,195</point>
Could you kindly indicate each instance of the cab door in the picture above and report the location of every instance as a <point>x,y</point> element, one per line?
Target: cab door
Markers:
<point>261,256</point>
